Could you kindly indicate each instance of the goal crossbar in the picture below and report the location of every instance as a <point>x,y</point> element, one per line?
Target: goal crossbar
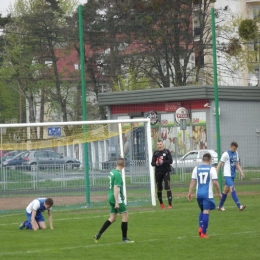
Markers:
<point>120,123</point>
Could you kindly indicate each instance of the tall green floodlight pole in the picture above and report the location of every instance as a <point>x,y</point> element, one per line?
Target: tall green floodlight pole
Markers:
<point>84,107</point>
<point>216,90</point>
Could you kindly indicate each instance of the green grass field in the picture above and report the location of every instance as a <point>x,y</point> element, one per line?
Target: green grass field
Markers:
<point>158,234</point>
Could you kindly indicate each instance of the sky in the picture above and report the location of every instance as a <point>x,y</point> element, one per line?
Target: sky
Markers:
<point>4,5</point>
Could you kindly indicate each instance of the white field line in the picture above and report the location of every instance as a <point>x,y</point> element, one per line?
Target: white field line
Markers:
<point>130,213</point>
<point>75,218</point>
<point>10,215</point>
<point>216,235</point>
<point>72,247</point>
<point>104,245</point>
<point>107,215</point>
<point>109,244</point>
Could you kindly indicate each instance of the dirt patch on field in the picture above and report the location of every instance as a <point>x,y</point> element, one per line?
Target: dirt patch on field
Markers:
<point>18,203</point>
<point>22,202</point>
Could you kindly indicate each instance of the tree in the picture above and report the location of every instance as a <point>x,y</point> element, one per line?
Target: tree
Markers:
<point>105,34</point>
<point>239,47</point>
<point>18,69</point>
<point>166,33</point>
<point>159,34</point>
<point>131,82</point>
<point>42,29</point>
<point>8,106</point>
<point>248,29</point>
<point>50,30</point>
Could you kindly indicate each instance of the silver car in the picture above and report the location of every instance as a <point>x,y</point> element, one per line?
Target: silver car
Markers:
<point>43,159</point>
<point>191,159</point>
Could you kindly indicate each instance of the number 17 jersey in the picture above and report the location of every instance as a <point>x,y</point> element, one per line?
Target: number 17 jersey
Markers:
<point>204,175</point>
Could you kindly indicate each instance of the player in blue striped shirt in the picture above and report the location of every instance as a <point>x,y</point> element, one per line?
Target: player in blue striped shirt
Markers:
<point>34,210</point>
<point>230,159</point>
<point>204,176</point>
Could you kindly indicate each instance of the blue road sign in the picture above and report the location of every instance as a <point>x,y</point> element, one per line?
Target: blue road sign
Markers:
<point>54,131</point>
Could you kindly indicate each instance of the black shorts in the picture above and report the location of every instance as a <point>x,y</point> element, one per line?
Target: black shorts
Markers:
<point>162,177</point>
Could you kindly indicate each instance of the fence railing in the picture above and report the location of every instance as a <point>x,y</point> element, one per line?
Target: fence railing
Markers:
<point>55,176</point>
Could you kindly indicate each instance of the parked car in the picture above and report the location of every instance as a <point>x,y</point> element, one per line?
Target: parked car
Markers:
<point>2,154</point>
<point>12,162</point>
<point>11,154</point>
<point>42,158</point>
<point>193,158</point>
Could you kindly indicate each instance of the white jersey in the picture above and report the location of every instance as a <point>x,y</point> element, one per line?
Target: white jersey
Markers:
<point>204,175</point>
<point>36,205</point>
<point>230,160</point>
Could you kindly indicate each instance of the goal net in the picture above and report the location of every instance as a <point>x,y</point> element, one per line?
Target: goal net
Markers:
<point>70,161</point>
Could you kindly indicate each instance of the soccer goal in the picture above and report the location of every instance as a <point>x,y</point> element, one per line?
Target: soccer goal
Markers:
<point>70,161</point>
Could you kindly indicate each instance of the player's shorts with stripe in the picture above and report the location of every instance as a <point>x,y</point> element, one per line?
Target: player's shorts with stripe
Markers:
<point>229,181</point>
<point>39,217</point>
<point>120,210</point>
<point>206,204</point>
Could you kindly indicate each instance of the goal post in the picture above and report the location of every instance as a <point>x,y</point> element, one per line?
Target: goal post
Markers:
<point>107,139</point>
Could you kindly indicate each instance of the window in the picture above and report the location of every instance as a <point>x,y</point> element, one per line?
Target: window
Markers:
<point>256,12</point>
<point>191,156</point>
<point>41,154</point>
<point>24,155</point>
<point>201,154</point>
<point>197,31</point>
<point>54,155</point>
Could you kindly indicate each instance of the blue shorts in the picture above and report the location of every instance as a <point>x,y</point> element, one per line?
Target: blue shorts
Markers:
<point>39,217</point>
<point>229,181</point>
<point>206,204</point>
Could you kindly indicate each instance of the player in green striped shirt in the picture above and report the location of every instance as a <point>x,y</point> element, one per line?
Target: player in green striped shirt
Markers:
<point>116,202</point>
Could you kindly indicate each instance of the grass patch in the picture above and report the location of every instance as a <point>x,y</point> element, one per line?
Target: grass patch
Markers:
<point>158,234</point>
